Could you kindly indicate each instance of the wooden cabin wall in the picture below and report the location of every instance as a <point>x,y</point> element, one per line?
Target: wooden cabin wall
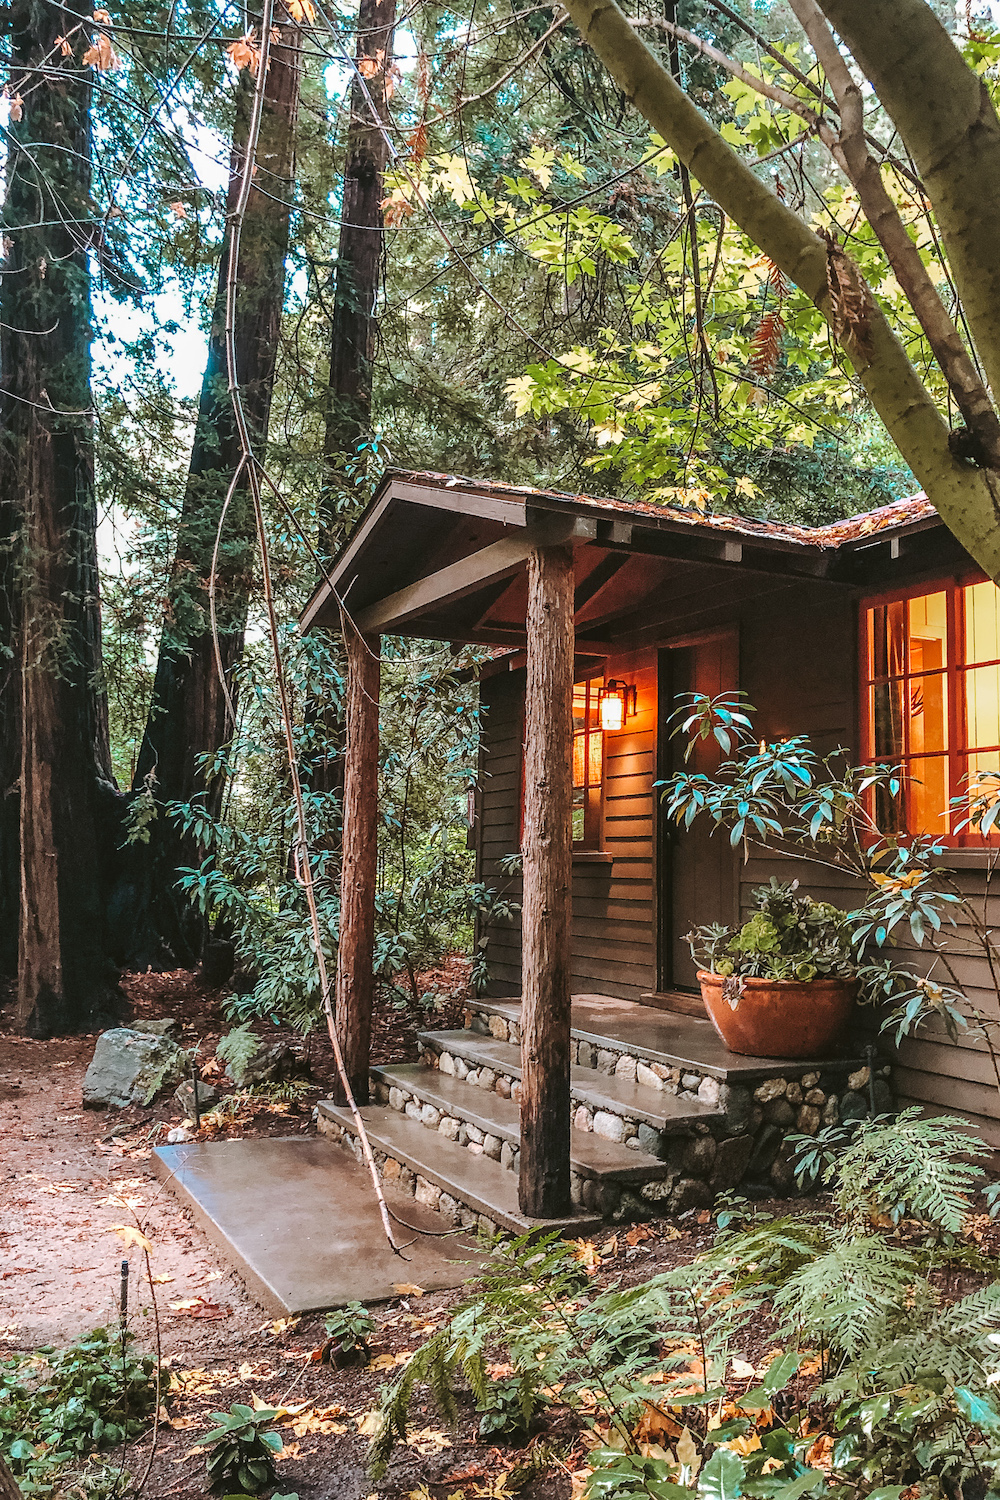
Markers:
<point>798,665</point>
<point>614,945</point>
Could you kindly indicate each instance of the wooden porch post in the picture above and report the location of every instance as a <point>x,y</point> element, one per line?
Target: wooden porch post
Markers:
<point>353,1012</point>
<point>543,1187</point>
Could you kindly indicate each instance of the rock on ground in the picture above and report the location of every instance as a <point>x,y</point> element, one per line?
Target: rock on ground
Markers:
<point>130,1067</point>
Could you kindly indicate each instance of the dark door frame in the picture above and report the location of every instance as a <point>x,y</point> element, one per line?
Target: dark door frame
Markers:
<point>668,758</point>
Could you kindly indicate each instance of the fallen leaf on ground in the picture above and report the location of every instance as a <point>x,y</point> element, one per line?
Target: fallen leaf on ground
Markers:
<point>369,1423</point>
<point>741,1370</point>
<point>390,1361</point>
<point>585,1251</point>
<point>199,1307</point>
<point>162,1279</point>
<point>427,1440</point>
<point>407,1289</point>
<point>639,1233</point>
<point>130,1235</point>
<point>655,1424</point>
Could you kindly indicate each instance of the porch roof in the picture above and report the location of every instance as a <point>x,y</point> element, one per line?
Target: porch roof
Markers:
<point>444,557</point>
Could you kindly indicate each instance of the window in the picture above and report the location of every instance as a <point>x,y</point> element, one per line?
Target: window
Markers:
<point>932,702</point>
<point>588,763</point>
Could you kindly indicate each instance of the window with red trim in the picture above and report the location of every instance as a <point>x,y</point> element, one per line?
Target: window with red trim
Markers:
<point>932,702</point>
<point>588,763</point>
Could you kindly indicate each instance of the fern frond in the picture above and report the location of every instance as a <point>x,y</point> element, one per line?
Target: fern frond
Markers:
<point>847,1295</point>
<point>910,1166</point>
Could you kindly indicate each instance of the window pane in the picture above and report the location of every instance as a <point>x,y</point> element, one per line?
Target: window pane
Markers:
<point>928,796</point>
<point>928,713</point>
<point>982,706</point>
<point>579,707</point>
<point>887,720</point>
<point>887,636</point>
<point>982,622</point>
<point>982,786</point>
<point>579,813</point>
<point>579,760</point>
<point>595,758</point>
<point>928,633</point>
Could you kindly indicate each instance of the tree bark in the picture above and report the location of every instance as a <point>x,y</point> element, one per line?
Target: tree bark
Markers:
<point>359,254</point>
<point>188,713</point>
<point>9,1487</point>
<point>967,499</point>
<point>67,795</point>
<point>355,948</point>
<point>946,118</point>
<point>543,1184</point>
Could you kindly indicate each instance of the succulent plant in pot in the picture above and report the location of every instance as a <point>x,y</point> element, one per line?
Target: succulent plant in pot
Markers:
<point>783,983</point>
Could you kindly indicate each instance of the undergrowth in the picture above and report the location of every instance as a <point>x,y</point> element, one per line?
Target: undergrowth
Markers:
<point>60,1409</point>
<point>875,1387</point>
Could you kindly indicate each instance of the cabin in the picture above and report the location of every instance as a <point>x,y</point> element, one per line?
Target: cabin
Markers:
<point>587,1080</point>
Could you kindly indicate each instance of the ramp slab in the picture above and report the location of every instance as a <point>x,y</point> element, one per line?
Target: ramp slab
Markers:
<point>300,1223</point>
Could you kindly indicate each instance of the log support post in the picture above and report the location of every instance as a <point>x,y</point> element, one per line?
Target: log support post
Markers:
<point>355,982</point>
<point>544,1181</point>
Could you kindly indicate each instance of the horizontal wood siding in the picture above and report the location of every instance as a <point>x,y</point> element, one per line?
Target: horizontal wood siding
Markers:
<point>798,648</point>
<point>613,933</point>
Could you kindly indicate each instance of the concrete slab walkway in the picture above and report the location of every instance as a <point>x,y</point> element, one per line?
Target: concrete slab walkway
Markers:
<point>300,1223</point>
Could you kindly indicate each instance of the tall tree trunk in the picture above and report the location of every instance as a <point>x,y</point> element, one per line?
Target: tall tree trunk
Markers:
<point>353,326</point>
<point>51,613</point>
<point>188,714</point>
<point>359,254</point>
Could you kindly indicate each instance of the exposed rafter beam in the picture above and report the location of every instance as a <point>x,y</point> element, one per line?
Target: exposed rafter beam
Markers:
<point>470,574</point>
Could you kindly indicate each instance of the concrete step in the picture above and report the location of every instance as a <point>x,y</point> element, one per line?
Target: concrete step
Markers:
<point>597,1092</point>
<point>591,1156</point>
<point>445,1176</point>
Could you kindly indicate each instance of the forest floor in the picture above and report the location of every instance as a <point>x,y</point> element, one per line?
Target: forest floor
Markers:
<point>69,1177</point>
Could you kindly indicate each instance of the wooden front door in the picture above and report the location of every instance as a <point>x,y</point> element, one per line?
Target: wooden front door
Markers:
<point>696,873</point>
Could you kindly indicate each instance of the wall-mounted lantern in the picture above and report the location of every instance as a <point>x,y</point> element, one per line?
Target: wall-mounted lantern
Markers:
<point>618,703</point>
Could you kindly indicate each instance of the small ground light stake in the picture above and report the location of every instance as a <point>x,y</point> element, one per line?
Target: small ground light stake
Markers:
<point>123,1297</point>
<point>195,1106</point>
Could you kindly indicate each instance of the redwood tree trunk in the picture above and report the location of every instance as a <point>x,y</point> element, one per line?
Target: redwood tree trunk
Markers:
<point>359,254</point>
<point>188,715</point>
<point>352,330</point>
<point>543,1187</point>
<point>355,982</point>
<point>51,613</point>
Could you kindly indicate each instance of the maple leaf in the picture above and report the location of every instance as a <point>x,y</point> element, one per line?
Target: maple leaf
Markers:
<point>129,1236</point>
<point>368,1423</point>
<point>243,52</point>
<point>66,51</point>
<point>101,55</point>
<point>654,1424</point>
<point>178,210</point>
<point>369,66</point>
<point>16,109</point>
<point>302,11</point>
<point>586,1252</point>
<point>395,209</point>
<point>407,1289</point>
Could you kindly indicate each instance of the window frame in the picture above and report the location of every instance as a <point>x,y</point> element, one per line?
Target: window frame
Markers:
<point>593,812</point>
<point>956,668</point>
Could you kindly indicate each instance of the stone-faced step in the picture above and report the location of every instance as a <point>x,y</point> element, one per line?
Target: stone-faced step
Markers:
<point>609,1033</point>
<point>610,1104</point>
<point>471,1190</point>
<point>489,1124</point>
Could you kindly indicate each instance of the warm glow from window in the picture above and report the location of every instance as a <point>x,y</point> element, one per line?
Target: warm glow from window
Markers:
<point>933,702</point>
<point>588,763</point>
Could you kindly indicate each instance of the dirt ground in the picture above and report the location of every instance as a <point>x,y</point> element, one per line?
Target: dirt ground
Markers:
<point>73,1182</point>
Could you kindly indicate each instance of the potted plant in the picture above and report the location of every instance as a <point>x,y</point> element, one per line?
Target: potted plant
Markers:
<point>783,984</point>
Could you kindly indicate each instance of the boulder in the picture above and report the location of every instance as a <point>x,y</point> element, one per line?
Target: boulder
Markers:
<point>167,1027</point>
<point>130,1067</point>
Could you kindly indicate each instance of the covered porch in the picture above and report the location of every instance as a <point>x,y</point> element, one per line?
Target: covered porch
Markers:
<point>552,1104</point>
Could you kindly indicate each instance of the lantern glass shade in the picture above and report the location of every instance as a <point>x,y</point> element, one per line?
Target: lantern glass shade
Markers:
<point>612,710</point>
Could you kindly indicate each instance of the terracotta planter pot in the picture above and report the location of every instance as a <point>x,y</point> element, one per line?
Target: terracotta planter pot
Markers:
<point>780,1017</point>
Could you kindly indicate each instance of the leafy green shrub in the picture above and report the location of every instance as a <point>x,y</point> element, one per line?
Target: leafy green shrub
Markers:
<point>348,1330</point>
<point>59,1406</point>
<point>789,936</point>
<point>898,1381</point>
<point>243,1453</point>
